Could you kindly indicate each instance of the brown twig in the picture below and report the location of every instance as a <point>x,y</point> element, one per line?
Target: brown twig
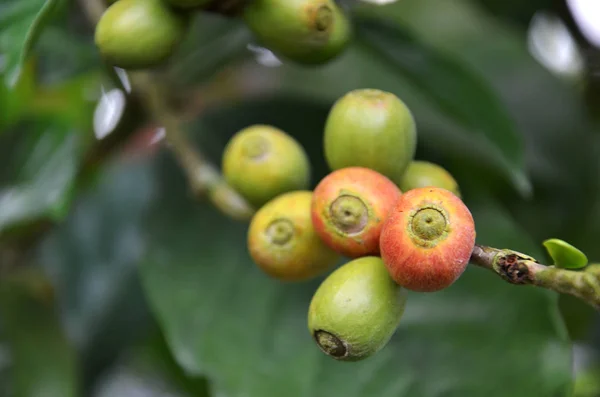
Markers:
<point>520,269</point>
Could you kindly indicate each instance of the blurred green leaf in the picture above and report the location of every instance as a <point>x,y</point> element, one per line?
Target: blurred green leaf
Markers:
<point>579,317</point>
<point>587,383</point>
<point>70,102</point>
<point>148,369</point>
<point>560,151</point>
<point>91,259</point>
<point>564,254</point>
<point>14,101</point>
<point>212,44</point>
<point>224,318</point>
<point>43,361</point>
<point>21,23</point>
<point>64,53</point>
<point>39,168</point>
<point>458,92</point>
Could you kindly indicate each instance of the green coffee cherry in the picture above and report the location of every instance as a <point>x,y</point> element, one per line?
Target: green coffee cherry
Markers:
<point>304,31</point>
<point>262,162</point>
<point>137,34</point>
<point>424,174</point>
<point>188,4</point>
<point>356,310</point>
<point>372,129</point>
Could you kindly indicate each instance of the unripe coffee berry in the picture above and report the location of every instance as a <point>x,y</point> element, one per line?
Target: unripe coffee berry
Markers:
<point>304,31</point>
<point>349,208</point>
<point>282,240</point>
<point>262,162</point>
<point>136,34</point>
<point>427,239</point>
<point>373,129</point>
<point>424,174</point>
<point>356,310</point>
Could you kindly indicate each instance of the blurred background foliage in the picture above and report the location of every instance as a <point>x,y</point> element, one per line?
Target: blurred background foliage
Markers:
<point>114,281</point>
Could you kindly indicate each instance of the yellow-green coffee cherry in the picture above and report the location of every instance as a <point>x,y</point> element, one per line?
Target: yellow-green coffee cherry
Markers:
<point>424,174</point>
<point>262,162</point>
<point>304,31</point>
<point>282,240</point>
<point>188,4</point>
<point>138,34</point>
<point>372,129</point>
<point>356,310</point>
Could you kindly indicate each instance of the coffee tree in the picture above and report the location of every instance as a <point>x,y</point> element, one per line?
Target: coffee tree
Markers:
<point>295,197</point>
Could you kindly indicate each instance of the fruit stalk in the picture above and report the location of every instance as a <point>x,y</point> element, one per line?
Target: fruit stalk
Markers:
<point>203,177</point>
<point>520,269</point>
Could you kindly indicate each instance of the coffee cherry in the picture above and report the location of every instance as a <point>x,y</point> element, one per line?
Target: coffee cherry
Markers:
<point>262,162</point>
<point>424,174</point>
<point>282,240</point>
<point>427,240</point>
<point>349,208</point>
<point>373,129</point>
<point>188,4</point>
<point>356,310</point>
<point>136,34</point>
<point>304,31</point>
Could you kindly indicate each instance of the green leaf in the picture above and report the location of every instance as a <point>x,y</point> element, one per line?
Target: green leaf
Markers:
<point>14,101</point>
<point>224,318</point>
<point>39,170</point>
<point>92,257</point>
<point>148,369</point>
<point>587,383</point>
<point>561,165</point>
<point>564,254</point>
<point>43,361</point>
<point>211,45</point>
<point>21,23</point>
<point>457,91</point>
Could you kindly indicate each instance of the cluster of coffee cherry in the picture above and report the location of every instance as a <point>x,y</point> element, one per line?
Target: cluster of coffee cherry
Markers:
<point>140,34</point>
<point>399,222</point>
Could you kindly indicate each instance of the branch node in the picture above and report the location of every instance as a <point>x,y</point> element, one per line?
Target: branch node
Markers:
<point>513,269</point>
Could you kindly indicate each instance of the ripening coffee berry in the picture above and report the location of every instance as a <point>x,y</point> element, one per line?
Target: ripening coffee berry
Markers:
<point>349,208</point>
<point>262,162</point>
<point>137,34</point>
<point>304,31</point>
<point>373,129</point>
<point>356,310</point>
<point>427,239</point>
<point>283,243</point>
<point>424,174</point>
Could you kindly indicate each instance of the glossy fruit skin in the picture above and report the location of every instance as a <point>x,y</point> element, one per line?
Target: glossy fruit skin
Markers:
<point>369,197</point>
<point>262,162</point>
<point>282,240</point>
<point>309,32</point>
<point>356,310</point>
<point>424,174</point>
<point>188,4</point>
<point>138,34</point>
<point>427,240</point>
<point>373,129</point>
